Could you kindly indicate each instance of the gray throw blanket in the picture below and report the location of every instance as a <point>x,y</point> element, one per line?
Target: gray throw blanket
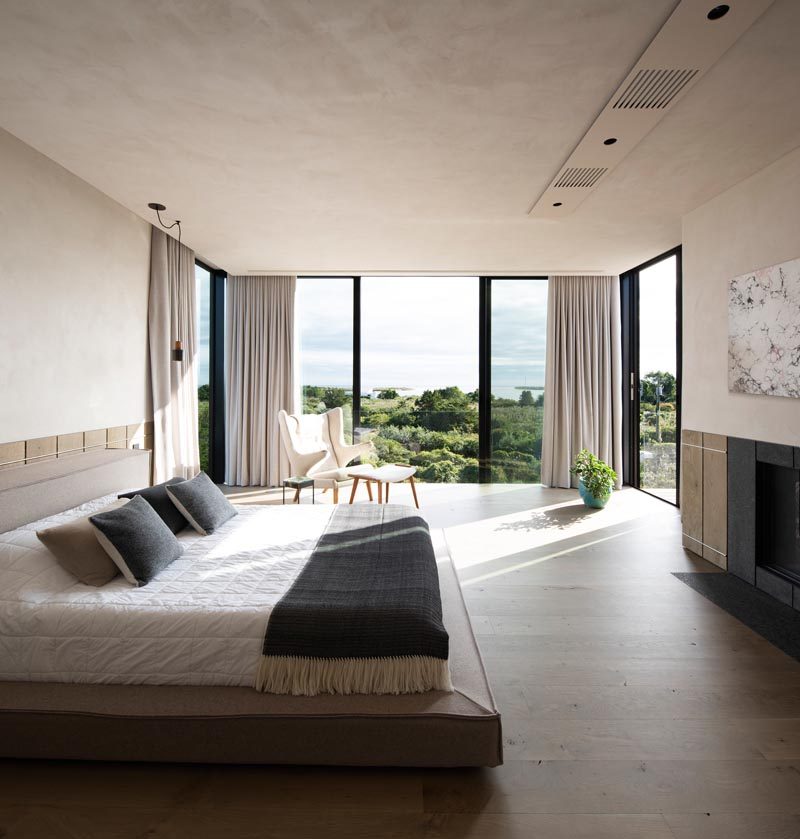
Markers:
<point>364,615</point>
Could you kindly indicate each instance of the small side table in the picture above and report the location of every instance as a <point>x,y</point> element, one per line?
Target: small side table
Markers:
<point>298,483</point>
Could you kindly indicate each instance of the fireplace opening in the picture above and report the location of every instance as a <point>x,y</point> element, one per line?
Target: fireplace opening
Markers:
<point>778,519</point>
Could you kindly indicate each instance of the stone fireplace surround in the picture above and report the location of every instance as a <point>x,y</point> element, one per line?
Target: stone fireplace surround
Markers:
<point>740,509</point>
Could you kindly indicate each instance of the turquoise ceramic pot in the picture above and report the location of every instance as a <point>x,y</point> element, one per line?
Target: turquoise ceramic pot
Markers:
<point>588,499</point>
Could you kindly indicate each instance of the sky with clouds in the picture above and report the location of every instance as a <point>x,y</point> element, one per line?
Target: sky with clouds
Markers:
<point>202,280</point>
<point>422,332</point>
<point>657,313</point>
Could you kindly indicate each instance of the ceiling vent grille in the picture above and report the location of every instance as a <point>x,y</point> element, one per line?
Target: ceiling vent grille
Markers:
<point>688,44</point>
<point>581,177</point>
<point>654,88</point>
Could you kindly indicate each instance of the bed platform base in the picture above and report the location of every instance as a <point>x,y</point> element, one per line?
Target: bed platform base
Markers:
<point>190,724</point>
<point>237,725</point>
<point>410,741</point>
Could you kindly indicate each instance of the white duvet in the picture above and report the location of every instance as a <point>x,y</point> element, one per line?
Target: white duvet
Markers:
<point>200,622</point>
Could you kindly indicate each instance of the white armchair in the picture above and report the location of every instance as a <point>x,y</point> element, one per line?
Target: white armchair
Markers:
<point>315,446</point>
<point>343,453</point>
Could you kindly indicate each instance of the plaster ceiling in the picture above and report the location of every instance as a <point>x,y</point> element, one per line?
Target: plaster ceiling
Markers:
<point>376,135</point>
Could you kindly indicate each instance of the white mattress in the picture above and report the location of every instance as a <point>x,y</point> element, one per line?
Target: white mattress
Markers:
<point>200,622</point>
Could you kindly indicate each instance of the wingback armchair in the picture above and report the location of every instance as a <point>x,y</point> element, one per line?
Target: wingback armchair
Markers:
<point>315,446</point>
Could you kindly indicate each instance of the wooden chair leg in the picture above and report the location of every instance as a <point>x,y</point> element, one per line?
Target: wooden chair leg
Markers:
<point>353,493</point>
<point>414,491</point>
<point>380,493</point>
<point>296,499</point>
<point>387,492</point>
<point>336,494</point>
<point>369,489</point>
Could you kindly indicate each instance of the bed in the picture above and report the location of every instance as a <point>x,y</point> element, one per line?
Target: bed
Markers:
<point>165,672</point>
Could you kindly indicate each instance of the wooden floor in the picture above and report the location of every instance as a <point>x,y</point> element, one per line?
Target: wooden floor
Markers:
<point>632,707</point>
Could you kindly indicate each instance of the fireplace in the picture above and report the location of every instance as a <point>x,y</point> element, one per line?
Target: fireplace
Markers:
<point>764,517</point>
<point>778,519</point>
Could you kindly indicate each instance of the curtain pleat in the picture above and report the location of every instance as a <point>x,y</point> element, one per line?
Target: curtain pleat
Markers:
<point>259,376</point>
<point>172,314</point>
<point>583,372</point>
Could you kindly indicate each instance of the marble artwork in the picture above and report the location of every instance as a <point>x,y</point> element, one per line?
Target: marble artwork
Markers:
<point>764,331</point>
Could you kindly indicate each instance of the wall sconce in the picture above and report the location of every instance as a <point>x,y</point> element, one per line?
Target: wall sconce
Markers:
<point>177,350</point>
<point>159,208</point>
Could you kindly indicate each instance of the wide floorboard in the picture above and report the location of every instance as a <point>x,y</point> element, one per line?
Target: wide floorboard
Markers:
<point>632,707</point>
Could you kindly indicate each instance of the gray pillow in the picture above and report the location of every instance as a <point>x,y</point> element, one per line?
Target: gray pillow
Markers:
<point>202,503</point>
<point>158,499</point>
<point>137,539</point>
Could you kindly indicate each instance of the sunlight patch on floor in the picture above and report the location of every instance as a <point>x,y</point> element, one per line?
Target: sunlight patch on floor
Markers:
<point>493,538</point>
<point>539,559</point>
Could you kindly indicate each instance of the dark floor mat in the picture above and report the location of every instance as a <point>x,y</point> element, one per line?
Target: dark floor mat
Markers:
<point>771,619</point>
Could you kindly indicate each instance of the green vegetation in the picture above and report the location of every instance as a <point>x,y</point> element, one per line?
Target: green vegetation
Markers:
<point>437,431</point>
<point>517,439</point>
<point>652,381</point>
<point>657,425</point>
<point>316,400</point>
<point>202,425</point>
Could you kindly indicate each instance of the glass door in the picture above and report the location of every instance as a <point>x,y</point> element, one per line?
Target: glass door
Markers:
<point>651,307</point>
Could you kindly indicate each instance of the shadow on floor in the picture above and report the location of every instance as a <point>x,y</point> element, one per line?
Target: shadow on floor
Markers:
<point>559,518</point>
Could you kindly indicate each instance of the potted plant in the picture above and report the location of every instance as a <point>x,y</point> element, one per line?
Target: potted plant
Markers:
<point>596,479</point>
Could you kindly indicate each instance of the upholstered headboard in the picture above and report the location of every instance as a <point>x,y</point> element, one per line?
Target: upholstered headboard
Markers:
<point>36,490</point>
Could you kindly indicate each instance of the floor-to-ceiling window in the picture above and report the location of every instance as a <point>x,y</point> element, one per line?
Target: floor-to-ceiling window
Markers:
<point>202,278</point>
<point>518,338</point>
<point>419,373</point>
<point>324,317</point>
<point>444,373</point>
<point>651,295</point>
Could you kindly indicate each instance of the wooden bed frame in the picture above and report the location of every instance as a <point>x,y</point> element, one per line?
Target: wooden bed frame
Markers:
<point>235,725</point>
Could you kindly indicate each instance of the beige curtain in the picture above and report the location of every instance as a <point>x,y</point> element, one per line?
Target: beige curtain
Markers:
<point>583,376</point>
<point>172,317</point>
<point>259,339</point>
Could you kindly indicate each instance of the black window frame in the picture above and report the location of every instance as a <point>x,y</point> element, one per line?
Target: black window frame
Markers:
<point>629,309</point>
<point>216,372</point>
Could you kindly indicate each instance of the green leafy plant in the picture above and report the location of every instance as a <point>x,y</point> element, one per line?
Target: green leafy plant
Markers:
<point>437,431</point>
<point>597,476</point>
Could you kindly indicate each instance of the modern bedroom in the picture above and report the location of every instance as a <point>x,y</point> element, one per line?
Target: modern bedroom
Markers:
<point>398,420</point>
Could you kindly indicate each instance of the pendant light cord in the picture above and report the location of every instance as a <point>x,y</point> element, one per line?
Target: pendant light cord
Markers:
<point>170,226</point>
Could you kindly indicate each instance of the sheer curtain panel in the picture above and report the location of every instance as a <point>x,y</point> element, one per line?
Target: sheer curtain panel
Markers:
<point>172,316</point>
<point>259,348</point>
<point>583,376</point>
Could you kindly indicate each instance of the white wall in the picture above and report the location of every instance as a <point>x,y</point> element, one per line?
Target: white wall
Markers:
<point>74,270</point>
<point>754,224</point>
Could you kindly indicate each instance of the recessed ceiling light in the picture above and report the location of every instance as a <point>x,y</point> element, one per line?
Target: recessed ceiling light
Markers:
<point>718,11</point>
<point>609,141</point>
<point>557,204</point>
